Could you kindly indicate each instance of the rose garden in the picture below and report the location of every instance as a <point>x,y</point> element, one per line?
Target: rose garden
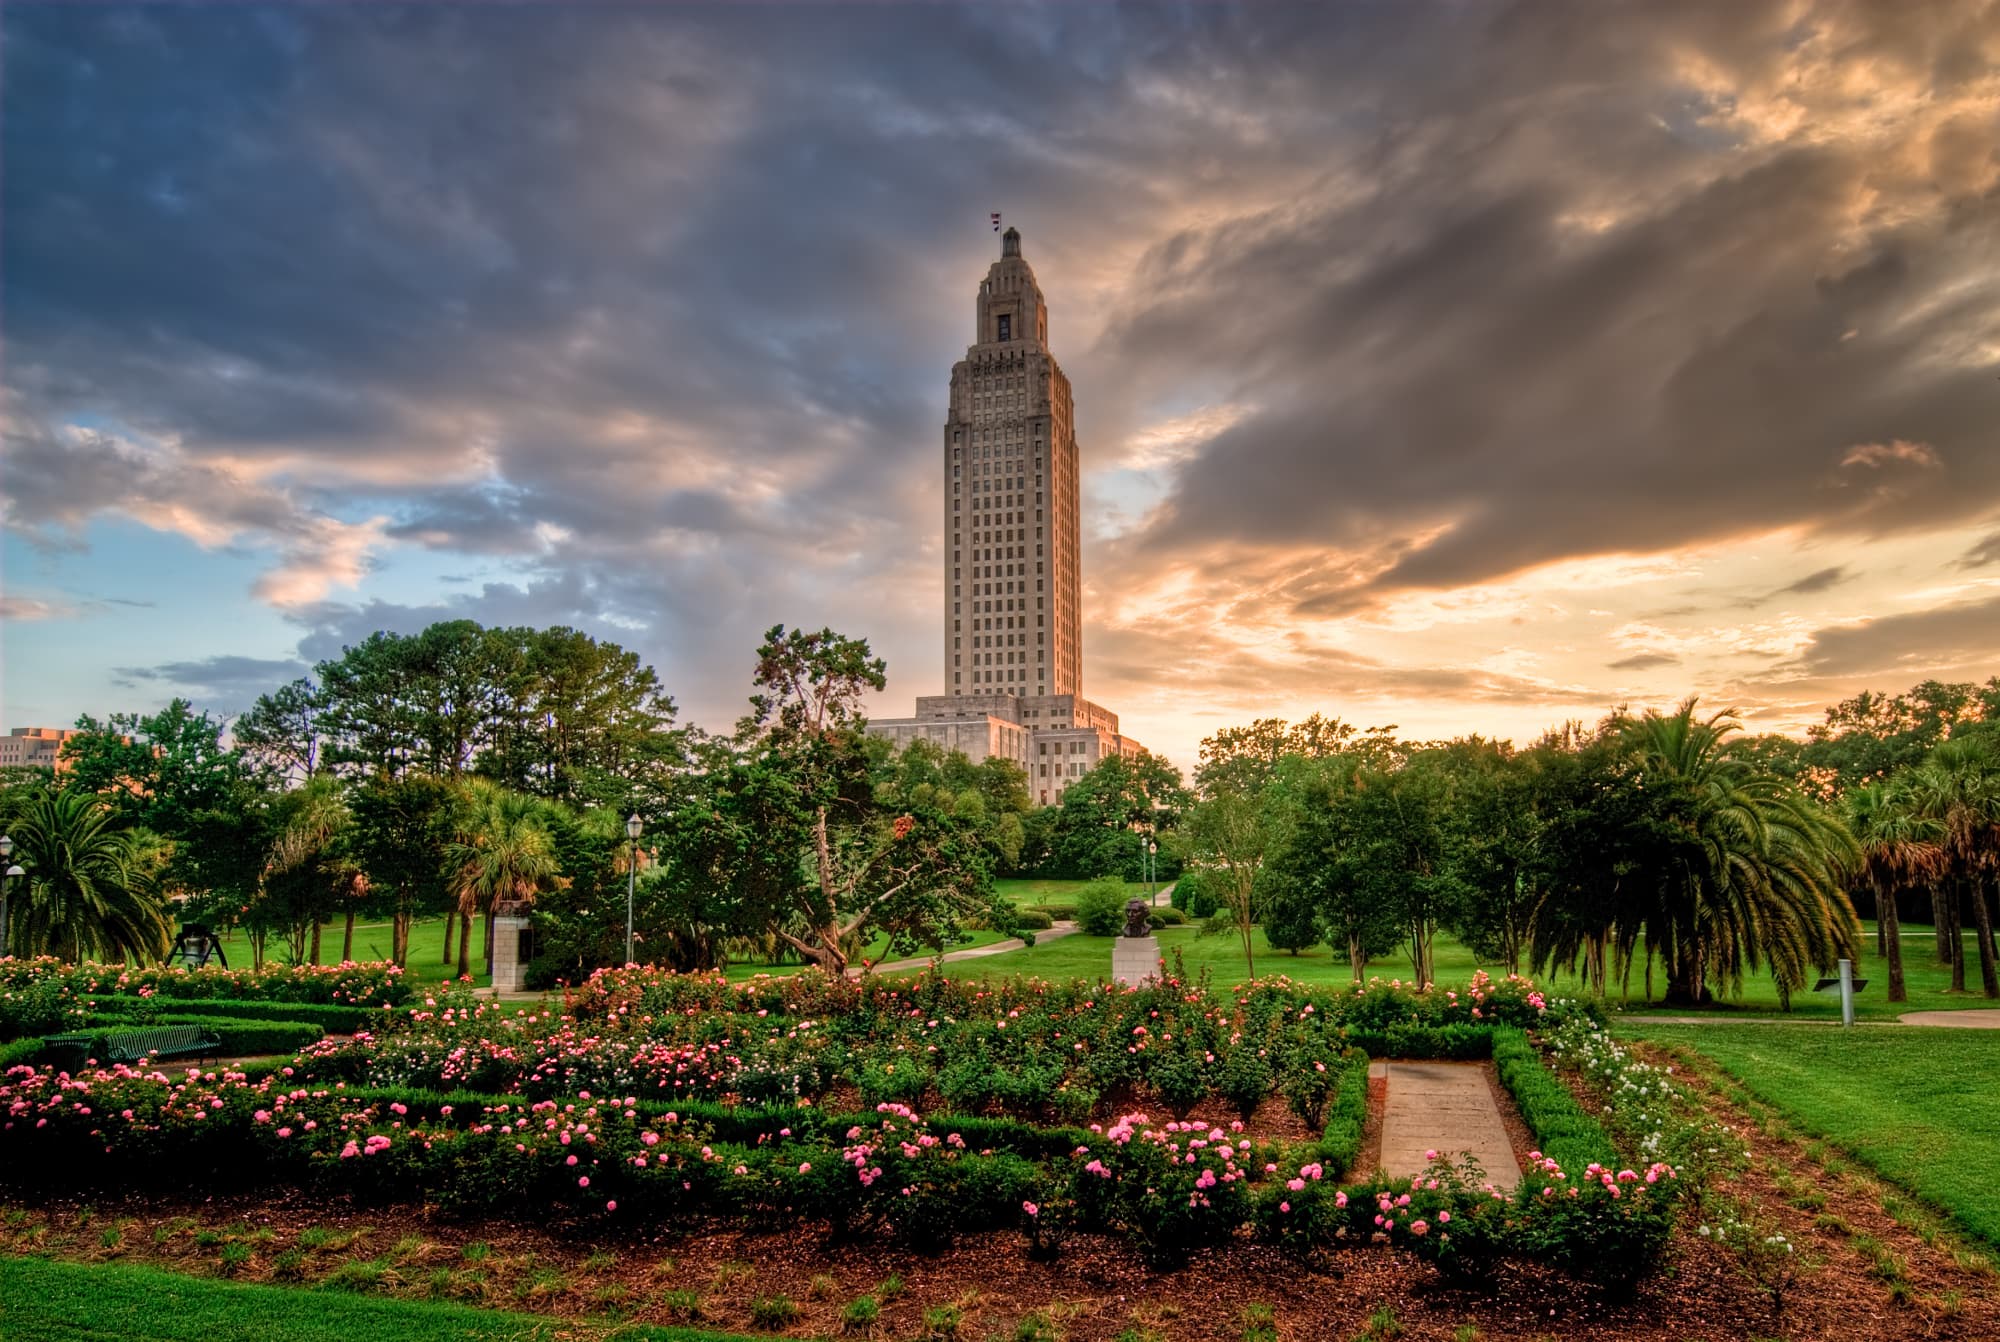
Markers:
<point>1347,1037</point>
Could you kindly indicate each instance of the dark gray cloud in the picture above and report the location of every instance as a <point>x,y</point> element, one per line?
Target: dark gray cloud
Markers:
<point>226,683</point>
<point>1819,581</point>
<point>1642,661</point>
<point>1963,637</point>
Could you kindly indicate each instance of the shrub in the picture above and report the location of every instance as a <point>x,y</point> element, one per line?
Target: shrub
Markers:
<point>1195,893</point>
<point>1033,920</point>
<point>1100,907</point>
<point>38,1007</point>
<point>1138,1178</point>
<point>332,1018</point>
<point>1167,917</point>
<point>860,1313</point>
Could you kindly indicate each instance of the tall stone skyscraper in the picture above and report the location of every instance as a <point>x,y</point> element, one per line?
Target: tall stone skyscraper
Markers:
<point>1013,637</point>
<point>1012,623</point>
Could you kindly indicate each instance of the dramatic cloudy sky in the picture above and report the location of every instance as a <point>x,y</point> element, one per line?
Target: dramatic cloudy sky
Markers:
<point>1465,366</point>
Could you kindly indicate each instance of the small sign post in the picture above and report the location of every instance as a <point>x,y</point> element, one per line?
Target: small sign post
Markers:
<point>1848,985</point>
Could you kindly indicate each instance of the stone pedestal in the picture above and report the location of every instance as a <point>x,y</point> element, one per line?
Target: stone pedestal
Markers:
<point>1135,959</point>
<point>511,952</point>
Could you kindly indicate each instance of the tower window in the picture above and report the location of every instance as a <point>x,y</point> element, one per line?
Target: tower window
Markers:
<point>1006,327</point>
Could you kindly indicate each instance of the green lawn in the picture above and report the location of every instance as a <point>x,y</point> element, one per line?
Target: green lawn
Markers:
<point>46,1301</point>
<point>1223,956</point>
<point>1920,1106</point>
<point>371,942</point>
<point>1035,894</point>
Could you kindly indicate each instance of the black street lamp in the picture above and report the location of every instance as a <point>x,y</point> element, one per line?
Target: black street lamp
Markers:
<point>7,879</point>
<point>632,831</point>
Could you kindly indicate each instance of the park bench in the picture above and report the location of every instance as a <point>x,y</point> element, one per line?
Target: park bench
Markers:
<point>153,1041</point>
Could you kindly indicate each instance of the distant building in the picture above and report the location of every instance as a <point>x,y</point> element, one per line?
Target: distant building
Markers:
<point>1013,630</point>
<point>34,747</point>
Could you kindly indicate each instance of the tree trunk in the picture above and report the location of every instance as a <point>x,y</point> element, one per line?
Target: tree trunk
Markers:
<point>1954,928</point>
<point>1357,960</point>
<point>489,939</point>
<point>1892,938</point>
<point>1982,917</point>
<point>347,939</point>
<point>315,939</point>
<point>449,921</point>
<point>1941,921</point>
<point>465,943</point>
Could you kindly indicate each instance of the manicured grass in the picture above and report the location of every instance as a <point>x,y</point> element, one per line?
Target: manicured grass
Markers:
<point>1090,957</point>
<point>44,1301</point>
<point>1920,1106</point>
<point>1037,894</point>
<point>371,942</point>
<point>877,949</point>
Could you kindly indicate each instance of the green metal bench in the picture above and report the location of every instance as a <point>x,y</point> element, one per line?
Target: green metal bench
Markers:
<point>160,1041</point>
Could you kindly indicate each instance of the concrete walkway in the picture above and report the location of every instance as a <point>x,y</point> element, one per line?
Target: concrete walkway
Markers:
<point>1978,1018</point>
<point>1446,1107</point>
<point>1060,930</point>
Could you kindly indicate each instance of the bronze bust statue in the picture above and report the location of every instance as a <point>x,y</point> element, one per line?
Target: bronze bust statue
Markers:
<point>1137,918</point>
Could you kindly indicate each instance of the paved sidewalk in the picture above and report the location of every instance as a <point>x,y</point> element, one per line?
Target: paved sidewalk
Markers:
<point>1978,1018</point>
<point>1056,933</point>
<point>1446,1107</point>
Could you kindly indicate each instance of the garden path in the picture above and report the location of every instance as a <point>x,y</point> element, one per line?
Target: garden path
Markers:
<point>1061,929</point>
<point>1979,1018</point>
<point>1446,1107</point>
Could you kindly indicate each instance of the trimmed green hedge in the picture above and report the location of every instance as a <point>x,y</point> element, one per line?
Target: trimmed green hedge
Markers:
<point>330,1017</point>
<point>1035,920</point>
<point>1340,1143</point>
<point>1563,1131</point>
<point>1412,1039</point>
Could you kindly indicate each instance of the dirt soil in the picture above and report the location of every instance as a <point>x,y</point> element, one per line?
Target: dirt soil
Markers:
<point>1096,1290</point>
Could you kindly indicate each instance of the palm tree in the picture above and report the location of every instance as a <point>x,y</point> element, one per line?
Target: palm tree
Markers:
<point>91,889</point>
<point>315,816</point>
<point>1958,786</point>
<point>1751,870</point>
<point>503,852</point>
<point>1901,847</point>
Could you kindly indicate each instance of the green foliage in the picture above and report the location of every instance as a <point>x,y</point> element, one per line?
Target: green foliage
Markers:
<point>1100,907</point>
<point>1562,1128</point>
<point>92,889</point>
<point>772,1312</point>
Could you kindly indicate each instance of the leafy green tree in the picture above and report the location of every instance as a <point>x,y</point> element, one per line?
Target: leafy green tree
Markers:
<point>578,721</point>
<point>1225,833</point>
<point>1314,876</point>
<point>281,734</point>
<point>913,875</point>
<point>402,826</point>
<point>91,889</point>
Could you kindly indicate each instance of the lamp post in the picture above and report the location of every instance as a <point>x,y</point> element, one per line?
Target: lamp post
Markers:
<point>6,887</point>
<point>1152,872</point>
<point>632,831</point>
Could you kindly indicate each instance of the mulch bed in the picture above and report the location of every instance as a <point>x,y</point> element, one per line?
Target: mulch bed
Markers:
<point>1092,1293</point>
